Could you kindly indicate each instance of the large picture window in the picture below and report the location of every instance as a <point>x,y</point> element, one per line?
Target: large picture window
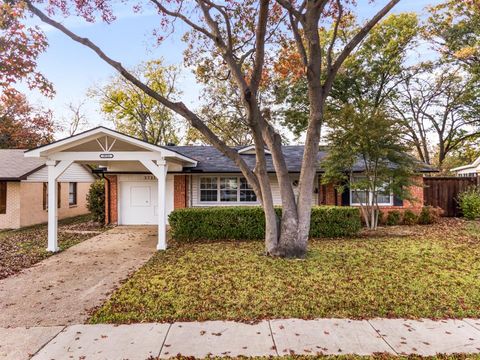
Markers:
<point>246,191</point>
<point>226,189</point>
<point>208,189</point>
<point>364,197</point>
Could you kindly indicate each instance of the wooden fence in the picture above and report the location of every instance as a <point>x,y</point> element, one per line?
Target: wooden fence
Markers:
<point>442,191</point>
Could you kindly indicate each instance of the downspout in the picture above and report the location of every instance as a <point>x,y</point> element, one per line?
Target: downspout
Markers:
<point>108,199</point>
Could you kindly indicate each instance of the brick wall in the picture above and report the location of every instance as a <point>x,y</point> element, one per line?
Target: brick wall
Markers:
<point>326,196</point>
<point>31,199</point>
<point>113,199</point>
<point>416,191</point>
<point>180,186</point>
<point>11,220</point>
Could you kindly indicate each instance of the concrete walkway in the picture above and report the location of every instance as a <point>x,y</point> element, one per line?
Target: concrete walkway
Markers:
<point>219,338</point>
<point>60,289</point>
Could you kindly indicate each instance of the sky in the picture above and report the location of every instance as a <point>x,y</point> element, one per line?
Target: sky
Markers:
<point>74,69</point>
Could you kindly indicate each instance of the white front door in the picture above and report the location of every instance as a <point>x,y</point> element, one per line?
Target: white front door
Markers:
<point>138,203</point>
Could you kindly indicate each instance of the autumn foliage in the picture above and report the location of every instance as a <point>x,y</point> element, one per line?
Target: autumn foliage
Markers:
<point>21,125</point>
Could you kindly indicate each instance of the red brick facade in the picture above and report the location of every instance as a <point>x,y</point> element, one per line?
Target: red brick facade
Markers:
<point>416,191</point>
<point>327,195</point>
<point>180,193</point>
<point>111,186</point>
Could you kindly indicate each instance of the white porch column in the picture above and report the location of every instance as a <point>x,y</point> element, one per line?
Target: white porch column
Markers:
<point>54,172</point>
<point>162,218</point>
<point>52,208</point>
<point>160,171</point>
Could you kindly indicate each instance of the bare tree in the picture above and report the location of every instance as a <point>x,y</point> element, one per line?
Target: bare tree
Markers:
<point>238,33</point>
<point>438,105</point>
<point>76,120</point>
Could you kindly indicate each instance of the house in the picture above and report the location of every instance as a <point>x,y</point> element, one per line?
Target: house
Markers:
<point>23,190</point>
<point>145,182</point>
<point>472,169</point>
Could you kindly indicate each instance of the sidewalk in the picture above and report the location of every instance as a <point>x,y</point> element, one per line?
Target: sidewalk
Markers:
<point>219,338</point>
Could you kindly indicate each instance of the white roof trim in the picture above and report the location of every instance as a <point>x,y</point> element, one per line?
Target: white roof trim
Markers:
<point>249,148</point>
<point>57,146</point>
<point>473,165</point>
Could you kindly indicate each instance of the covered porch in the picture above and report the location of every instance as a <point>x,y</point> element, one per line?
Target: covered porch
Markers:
<point>117,153</point>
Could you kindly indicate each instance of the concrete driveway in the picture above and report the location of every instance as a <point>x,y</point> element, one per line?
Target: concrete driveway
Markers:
<point>60,289</point>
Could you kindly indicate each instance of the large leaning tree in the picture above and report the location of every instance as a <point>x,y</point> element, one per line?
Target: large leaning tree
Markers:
<point>21,124</point>
<point>244,36</point>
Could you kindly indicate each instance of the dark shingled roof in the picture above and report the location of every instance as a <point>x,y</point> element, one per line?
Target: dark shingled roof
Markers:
<point>210,160</point>
<point>14,166</point>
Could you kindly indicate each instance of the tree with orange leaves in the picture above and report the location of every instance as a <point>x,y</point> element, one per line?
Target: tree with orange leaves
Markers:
<point>241,36</point>
<point>21,125</point>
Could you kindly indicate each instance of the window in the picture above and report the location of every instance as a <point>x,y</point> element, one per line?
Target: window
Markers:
<point>45,195</point>
<point>72,193</point>
<point>364,197</point>
<point>3,197</point>
<point>246,191</point>
<point>208,189</point>
<point>226,189</point>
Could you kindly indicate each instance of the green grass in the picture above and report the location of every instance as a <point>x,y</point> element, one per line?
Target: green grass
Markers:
<point>24,247</point>
<point>429,271</point>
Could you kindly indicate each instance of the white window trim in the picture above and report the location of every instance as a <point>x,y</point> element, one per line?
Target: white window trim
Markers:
<point>238,202</point>
<point>75,193</point>
<point>354,202</point>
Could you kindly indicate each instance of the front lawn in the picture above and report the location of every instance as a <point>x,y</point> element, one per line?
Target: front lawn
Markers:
<point>24,247</point>
<point>413,272</point>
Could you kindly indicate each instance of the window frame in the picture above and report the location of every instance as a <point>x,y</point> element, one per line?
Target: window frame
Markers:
<point>3,197</point>
<point>219,190</point>
<point>74,193</point>
<point>45,195</point>
<point>354,202</point>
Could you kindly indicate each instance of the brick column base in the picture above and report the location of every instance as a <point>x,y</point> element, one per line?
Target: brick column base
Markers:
<point>111,193</point>
<point>180,194</point>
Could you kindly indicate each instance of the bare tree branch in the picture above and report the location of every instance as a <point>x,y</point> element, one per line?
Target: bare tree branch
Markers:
<point>178,107</point>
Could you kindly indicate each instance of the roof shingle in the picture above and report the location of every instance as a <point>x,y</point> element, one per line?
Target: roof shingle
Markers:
<point>14,166</point>
<point>210,160</point>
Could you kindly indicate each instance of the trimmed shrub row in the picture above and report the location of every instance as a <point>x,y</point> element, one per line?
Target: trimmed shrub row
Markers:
<point>427,215</point>
<point>248,223</point>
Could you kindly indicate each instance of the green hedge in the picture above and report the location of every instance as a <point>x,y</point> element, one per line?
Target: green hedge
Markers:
<point>246,223</point>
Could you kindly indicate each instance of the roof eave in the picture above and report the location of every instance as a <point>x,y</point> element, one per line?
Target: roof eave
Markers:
<point>40,151</point>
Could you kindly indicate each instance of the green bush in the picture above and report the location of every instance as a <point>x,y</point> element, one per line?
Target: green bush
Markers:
<point>409,217</point>
<point>394,217</point>
<point>247,223</point>
<point>381,217</point>
<point>428,215</point>
<point>96,201</point>
<point>469,202</point>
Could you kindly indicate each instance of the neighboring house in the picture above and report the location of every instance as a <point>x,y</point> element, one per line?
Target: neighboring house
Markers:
<point>23,190</point>
<point>145,182</point>
<point>468,170</point>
